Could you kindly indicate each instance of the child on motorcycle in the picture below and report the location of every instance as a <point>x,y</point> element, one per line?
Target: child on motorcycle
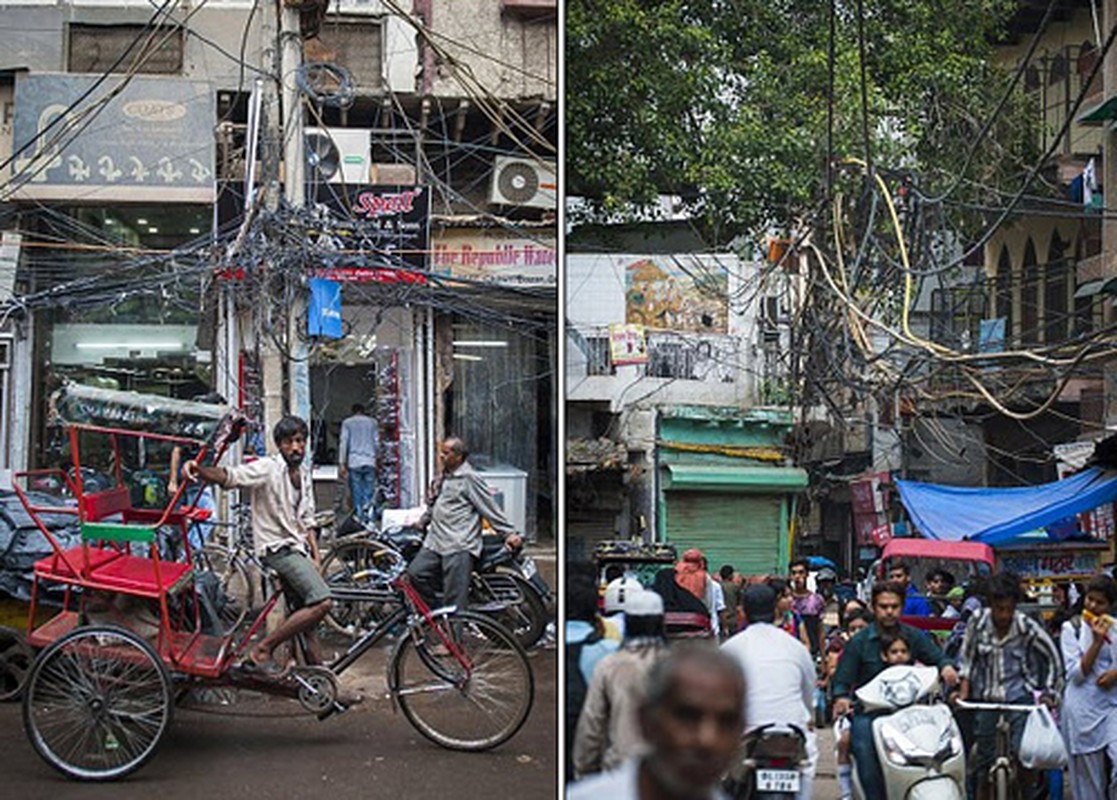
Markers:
<point>894,650</point>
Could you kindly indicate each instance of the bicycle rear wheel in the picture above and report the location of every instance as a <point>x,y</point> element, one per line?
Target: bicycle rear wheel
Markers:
<point>475,706</point>
<point>97,703</point>
<point>236,584</point>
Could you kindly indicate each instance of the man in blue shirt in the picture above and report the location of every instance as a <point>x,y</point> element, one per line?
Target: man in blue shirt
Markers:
<point>915,604</point>
<point>356,461</point>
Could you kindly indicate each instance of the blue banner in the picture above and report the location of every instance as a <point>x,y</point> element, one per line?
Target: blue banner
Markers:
<point>324,312</point>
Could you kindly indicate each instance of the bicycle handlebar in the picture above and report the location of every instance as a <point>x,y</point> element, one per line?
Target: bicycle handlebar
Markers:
<point>983,706</point>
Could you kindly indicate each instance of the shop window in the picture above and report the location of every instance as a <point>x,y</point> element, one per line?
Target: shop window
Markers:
<point>137,48</point>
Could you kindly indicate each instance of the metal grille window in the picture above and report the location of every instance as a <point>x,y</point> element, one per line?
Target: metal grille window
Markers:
<point>956,315</point>
<point>671,360</point>
<point>153,51</point>
<point>597,356</point>
<point>357,45</point>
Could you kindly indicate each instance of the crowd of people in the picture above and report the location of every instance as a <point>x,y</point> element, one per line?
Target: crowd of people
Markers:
<point>802,653</point>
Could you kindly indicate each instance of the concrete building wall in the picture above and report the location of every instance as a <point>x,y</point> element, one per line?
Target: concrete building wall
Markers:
<point>508,56</point>
<point>598,295</point>
<point>34,36</point>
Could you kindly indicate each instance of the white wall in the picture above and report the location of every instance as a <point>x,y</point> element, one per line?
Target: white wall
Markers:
<point>595,298</point>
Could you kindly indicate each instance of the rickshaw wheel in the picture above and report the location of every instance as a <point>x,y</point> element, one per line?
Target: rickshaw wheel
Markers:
<point>97,702</point>
<point>16,657</point>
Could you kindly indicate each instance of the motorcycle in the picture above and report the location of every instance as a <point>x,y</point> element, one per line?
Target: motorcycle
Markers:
<point>770,766</point>
<point>505,584</point>
<point>919,744</point>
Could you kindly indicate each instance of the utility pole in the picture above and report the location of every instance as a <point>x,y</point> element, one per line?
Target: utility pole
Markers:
<point>271,362</point>
<point>291,58</point>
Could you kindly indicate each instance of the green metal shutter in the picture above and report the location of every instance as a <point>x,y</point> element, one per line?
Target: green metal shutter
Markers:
<point>738,529</point>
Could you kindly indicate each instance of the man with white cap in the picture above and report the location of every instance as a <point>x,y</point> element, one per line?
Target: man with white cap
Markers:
<point>608,731</point>
<point>617,594</point>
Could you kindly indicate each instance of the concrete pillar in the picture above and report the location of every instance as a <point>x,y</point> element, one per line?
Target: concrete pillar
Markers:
<point>1109,226</point>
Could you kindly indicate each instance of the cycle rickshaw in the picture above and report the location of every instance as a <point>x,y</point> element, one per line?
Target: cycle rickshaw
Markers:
<point>129,637</point>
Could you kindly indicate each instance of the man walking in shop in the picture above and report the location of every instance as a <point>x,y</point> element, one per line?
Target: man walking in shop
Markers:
<point>458,501</point>
<point>356,456</point>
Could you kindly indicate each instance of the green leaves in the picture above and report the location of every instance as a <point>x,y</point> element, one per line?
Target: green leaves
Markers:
<point>729,102</point>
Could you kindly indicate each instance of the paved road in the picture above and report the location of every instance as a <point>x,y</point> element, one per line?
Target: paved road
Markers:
<point>264,752</point>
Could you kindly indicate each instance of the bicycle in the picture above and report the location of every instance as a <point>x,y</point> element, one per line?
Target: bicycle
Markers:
<point>99,697</point>
<point>1003,776</point>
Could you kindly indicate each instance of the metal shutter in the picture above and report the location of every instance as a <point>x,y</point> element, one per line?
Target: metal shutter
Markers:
<point>738,529</point>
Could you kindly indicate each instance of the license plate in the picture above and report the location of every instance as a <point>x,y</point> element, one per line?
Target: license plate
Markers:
<point>529,568</point>
<point>777,780</point>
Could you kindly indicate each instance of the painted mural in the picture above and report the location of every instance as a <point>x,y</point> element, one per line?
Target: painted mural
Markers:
<point>676,294</point>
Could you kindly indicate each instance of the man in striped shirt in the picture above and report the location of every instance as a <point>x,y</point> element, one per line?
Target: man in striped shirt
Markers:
<point>1007,657</point>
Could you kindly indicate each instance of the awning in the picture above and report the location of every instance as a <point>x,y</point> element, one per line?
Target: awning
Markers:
<point>1107,109</point>
<point>719,478</point>
<point>997,516</point>
<point>1100,286</point>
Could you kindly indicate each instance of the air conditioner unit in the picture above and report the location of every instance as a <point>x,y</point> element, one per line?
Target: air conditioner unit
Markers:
<point>337,155</point>
<point>524,182</point>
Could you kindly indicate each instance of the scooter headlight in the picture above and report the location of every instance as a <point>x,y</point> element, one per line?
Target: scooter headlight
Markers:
<point>902,751</point>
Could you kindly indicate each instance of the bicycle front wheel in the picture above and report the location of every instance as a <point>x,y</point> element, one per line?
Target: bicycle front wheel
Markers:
<point>97,702</point>
<point>475,705</point>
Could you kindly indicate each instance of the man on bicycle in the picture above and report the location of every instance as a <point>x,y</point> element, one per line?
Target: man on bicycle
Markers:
<point>1007,657</point>
<point>459,500</point>
<point>282,498</point>
<point>861,662</point>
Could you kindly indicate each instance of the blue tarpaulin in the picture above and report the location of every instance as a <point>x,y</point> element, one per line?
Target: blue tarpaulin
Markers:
<point>997,516</point>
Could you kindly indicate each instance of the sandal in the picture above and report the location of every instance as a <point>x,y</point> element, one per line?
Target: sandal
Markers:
<point>267,669</point>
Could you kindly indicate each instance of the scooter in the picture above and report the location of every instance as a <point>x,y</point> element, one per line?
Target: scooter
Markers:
<point>772,758</point>
<point>919,744</point>
<point>505,583</point>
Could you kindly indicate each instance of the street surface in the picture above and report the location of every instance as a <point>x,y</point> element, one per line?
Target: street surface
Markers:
<point>262,748</point>
<point>266,748</point>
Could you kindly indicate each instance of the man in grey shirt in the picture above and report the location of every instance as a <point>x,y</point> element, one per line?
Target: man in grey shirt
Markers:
<point>458,502</point>
<point>356,460</point>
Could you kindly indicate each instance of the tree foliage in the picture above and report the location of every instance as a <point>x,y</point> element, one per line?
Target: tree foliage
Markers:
<point>738,106</point>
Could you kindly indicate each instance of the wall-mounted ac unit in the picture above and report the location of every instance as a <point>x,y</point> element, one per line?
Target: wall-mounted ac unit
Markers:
<point>524,182</point>
<point>337,155</point>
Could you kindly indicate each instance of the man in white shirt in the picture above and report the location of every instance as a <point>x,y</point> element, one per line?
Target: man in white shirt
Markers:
<point>779,675</point>
<point>691,719</point>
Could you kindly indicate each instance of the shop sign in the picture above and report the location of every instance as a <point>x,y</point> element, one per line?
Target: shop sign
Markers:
<point>385,227</point>
<point>881,535</point>
<point>493,257</point>
<point>1057,562</point>
<point>627,345</point>
<point>147,139</point>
